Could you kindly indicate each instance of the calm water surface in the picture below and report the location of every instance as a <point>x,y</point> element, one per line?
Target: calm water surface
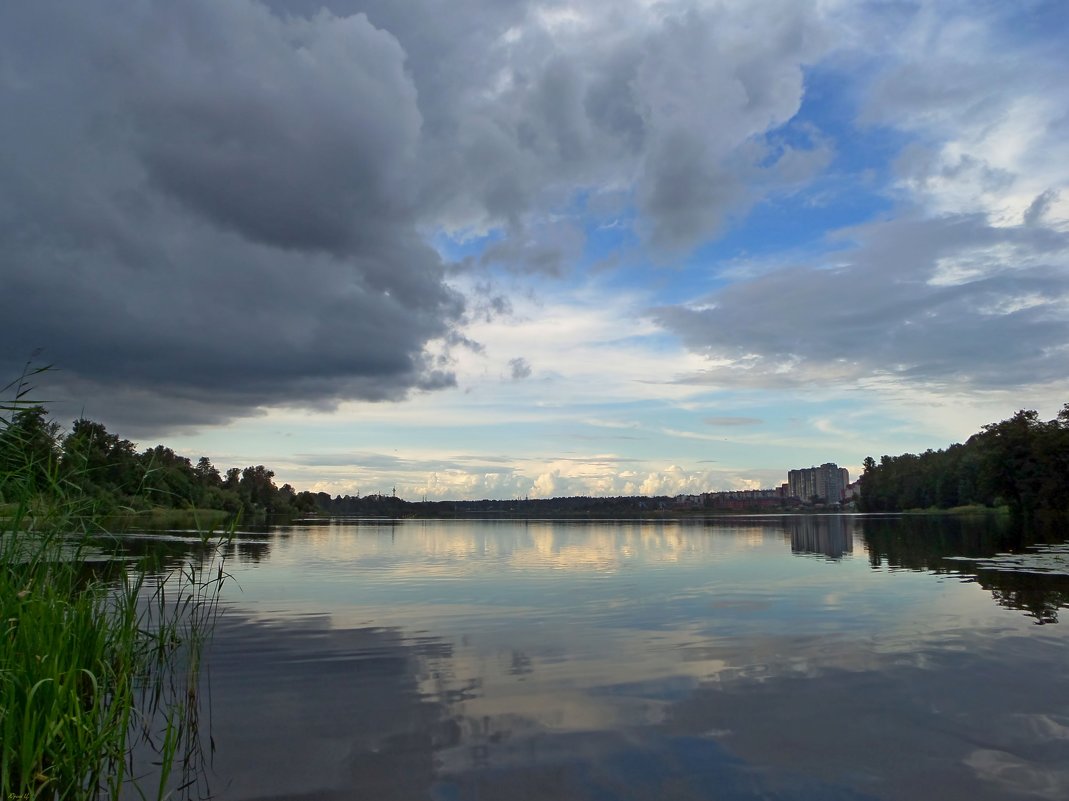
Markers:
<point>780,658</point>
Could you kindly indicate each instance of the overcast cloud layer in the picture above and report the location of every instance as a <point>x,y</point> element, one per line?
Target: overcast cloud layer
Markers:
<point>215,208</point>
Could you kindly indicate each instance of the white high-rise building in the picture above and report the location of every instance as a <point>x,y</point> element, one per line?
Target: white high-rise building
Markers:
<point>826,484</point>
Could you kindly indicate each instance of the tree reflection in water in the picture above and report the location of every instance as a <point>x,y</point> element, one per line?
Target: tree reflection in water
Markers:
<point>1009,558</point>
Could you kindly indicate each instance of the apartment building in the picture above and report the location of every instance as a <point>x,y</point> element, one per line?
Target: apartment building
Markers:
<point>826,483</point>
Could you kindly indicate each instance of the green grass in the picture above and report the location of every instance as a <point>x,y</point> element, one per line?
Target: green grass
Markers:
<point>92,662</point>
<point>88,662</point>
<point>70,655</point>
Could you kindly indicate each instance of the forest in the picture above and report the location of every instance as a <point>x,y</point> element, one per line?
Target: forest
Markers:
<point>1021,463</point>
<point>110,473</point>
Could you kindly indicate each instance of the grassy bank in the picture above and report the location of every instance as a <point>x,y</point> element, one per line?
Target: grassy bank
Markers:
<point>92,660</point>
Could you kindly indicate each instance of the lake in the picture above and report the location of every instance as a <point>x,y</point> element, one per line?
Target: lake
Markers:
<point>819,657</point>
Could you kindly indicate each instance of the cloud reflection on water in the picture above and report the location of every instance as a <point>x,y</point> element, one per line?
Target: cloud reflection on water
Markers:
<point>507,660</point>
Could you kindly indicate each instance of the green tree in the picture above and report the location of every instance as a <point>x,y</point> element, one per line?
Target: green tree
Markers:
<point>1022,462</point>
<point>233,478</point>
<point>100,463</point>
<point>29,447</point>
<point>1010,470</point>
<point>169,478</point>
<point>206,473</point>
<point>257,489</point>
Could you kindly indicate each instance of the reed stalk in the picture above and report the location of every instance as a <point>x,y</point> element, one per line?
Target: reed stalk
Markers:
<point>92,662</point>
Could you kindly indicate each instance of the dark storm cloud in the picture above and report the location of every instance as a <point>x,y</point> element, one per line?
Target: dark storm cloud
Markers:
<point>206,209</point>
<point>300,137</point>
<point>949,301</point>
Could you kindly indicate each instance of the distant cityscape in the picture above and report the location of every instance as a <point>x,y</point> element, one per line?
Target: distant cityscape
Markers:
<point>825,486</point>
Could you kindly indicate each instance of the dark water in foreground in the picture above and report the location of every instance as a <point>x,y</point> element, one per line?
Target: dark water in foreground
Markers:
<point>775,658</point>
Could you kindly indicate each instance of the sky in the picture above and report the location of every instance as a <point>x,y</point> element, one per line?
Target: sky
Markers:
<point>502,248</point>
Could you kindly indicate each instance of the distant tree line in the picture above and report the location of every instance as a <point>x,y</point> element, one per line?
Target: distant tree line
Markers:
<point>115,476</point>
<point>576,506</point>
<point>1022,462</point>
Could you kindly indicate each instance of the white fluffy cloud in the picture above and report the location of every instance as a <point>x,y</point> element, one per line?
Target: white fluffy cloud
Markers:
<point>988,111</point>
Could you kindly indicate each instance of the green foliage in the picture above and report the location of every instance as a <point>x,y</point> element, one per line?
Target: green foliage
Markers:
<point>110,474</point>
<point>28,446</point>
<point>87,661</point>
<point>66,689</point>
<point>1022,462</point>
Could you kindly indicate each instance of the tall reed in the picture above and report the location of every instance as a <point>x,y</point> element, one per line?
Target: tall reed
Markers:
<point>92,662</point>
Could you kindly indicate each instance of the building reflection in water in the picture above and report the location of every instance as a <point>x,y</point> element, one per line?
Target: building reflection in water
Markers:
<point>831,536</point>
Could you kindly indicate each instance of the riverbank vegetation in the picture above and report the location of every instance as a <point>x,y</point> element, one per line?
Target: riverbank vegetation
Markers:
<point>143,488</point>
<point>1021,463</point>
<point>98,657</point>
